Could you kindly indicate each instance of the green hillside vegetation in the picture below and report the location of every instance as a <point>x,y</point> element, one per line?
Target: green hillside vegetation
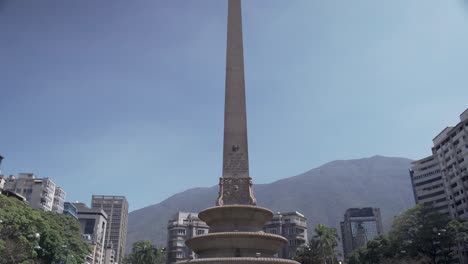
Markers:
<point>30,236</point>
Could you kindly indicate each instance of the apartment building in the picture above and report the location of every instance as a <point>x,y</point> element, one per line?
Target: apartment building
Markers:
<point>292,226</point>
<point>451,149</point>
<point>359,226</point>
<point>39,192</point>
<point>447,166</point>
<point>116,208</point>
<point>181,227</point>
<point>428,184</point>
<point>59,200</point>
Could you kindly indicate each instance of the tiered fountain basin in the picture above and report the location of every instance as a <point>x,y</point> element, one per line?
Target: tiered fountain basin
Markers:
<point>236,236</point>
<point>228,218</point>
<point>236,244</point>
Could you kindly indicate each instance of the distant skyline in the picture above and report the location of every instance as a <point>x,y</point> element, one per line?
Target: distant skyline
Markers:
<point>127,98</point>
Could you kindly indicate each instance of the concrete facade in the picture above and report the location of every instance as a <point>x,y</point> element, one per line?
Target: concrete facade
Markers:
<point>93,226</point>
<point>59,200</point>
<point>39,192</point>
<point>116,208</point>
<point>444,185</point>
<point>292,226</point>
<point>180,227</point>
<point>451,149</point>
<point>428,184</point>
<point>359,226</point>
<point>109,255</point>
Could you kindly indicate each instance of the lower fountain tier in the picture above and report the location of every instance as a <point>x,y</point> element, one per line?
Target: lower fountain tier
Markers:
<point>228,218</point>
<point>241,260</point>
<point>236,244</point>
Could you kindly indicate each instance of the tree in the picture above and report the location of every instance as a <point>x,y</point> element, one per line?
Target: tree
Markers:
<point>423,232</point>
<point>31,236</point>
<point>419,235</point>
<point>321,248</point>
<point>144,252</point>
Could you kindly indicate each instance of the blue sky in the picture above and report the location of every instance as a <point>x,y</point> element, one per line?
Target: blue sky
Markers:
<point>126,97</point>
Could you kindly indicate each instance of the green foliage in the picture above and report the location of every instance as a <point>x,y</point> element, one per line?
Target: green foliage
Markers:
<point>321,248</point>
<point>143,252</point>
<point>419,235</point>
<point>31,236</point>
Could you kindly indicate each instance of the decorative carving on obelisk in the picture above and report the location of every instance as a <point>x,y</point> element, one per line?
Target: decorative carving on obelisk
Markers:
<point>235,187</point>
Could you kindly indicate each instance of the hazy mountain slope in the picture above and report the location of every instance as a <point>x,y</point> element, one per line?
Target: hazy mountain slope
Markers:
<point>322,194</point>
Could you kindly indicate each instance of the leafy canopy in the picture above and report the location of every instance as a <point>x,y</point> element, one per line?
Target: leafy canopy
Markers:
<point>29,235</point>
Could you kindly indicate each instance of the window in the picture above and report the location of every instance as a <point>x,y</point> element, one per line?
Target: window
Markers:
<point>200,232</point>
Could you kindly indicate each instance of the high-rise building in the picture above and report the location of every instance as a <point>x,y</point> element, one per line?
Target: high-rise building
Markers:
<point>116,208</point>
<point>292,226</point>
<point>360,225</point>
<point>182,226</point>
<point>451,149</point>
<point>39,192</point>
<point>93,223</point>
<point>428,184</point>
<point>444,184</point>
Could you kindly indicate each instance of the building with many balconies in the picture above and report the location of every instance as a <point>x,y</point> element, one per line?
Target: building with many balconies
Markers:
<point>451,149</point>
<point>39,192</point>
<point>182,226</point>
<point>428,184</point>
<point>441,180</point>
<point>292,226</point>
<point>59,200</point>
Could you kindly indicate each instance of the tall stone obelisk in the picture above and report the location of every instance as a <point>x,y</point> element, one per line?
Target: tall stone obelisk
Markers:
<point>236,184</point>
<point>236,222</point>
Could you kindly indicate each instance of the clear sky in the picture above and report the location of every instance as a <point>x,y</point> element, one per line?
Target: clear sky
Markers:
<point>126,97</point>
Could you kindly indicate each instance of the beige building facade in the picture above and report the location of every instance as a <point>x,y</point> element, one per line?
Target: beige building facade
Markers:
<point>292,226</point>
<point>182,226</point>
<point>116,208</point>
<point>39,192</point>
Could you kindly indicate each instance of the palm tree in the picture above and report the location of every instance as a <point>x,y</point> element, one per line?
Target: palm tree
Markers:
<point>143,252</point>
<point>326,242</point>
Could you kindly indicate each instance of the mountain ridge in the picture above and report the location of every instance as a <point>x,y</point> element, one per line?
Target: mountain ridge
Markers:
<point>322,194</point>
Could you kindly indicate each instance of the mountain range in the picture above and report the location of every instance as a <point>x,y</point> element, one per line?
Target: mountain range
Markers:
<point>322,194</point>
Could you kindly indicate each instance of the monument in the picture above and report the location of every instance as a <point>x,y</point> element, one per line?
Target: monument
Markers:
<point>236,222</point>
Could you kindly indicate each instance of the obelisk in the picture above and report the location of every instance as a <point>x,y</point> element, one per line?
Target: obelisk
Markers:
<point>235,183</point>
<point>236,223</point>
